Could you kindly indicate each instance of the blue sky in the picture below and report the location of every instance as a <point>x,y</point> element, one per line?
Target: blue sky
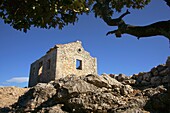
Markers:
<point>125,55</point>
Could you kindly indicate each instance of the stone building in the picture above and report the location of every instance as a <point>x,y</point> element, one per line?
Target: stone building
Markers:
<point>60,61</point>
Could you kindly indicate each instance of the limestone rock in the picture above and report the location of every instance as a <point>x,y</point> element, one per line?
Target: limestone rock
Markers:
<point>90,93</point>
<point>9,96</point>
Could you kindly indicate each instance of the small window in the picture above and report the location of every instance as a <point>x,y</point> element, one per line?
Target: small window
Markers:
<point>79,50</point>
<point>79,64</point>
<point>40,68</point>
<point>49,64</point>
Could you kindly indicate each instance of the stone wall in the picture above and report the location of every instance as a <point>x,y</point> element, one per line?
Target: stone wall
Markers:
<point>60,61</point>
<point>68,54</point>
<point>43,69</point>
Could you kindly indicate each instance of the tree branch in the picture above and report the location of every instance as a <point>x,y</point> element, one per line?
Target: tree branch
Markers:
<point>167,2</point>
<point>124,14</point>
<point>105,13</point>
<point>116,21</point>
<point>159,28</point>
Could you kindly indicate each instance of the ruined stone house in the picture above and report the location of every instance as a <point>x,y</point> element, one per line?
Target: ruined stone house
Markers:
<point>60,61</point>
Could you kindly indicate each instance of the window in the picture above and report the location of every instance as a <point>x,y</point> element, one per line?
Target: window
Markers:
<point>79,50</point>
<point>40,68</point>
<point>79,64</point>
<point>49,64</point>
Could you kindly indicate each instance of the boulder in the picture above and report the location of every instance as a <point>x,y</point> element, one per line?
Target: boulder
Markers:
<point>113,82</point>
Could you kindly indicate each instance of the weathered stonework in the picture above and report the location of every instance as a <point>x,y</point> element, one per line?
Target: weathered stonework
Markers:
<point>60,61</point>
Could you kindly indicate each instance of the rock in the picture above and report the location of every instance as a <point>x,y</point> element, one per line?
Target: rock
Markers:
<point>159,101</point>
<point>140,93</point>
<point>90,93</point>
<point>81,86</point>
<point>126,89</point>
<point>154,71</point>
<point>102,81</point>
<point>154,91</point>
<point>161,67</point>
<point>134,76</point>
<point>121,77</point>
<point>156,80</point>
<point>10,95</point>
<point>97,81</point>
<point>134,111</point>
<point>53,109</point>
<point>113,82</point>
<point>140,77</point>
<point>145,83</point>
<point>36,96</point>
<point>112,75</point>
<point>165,79</point>
<point>164,72</point>
<point>129,82</point>
<point>147,77</point>
<point>161,89</point>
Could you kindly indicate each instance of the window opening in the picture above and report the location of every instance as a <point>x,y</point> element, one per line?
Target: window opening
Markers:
<point>40,68</point>
<point>79,50</point>
<point>79,64</point>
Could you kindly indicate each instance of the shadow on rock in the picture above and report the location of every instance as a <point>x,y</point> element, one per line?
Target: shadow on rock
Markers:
<point>158,103</point>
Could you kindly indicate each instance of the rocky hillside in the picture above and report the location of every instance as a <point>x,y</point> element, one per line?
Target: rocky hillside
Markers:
<point>145,92</point>
<point>10,95</point>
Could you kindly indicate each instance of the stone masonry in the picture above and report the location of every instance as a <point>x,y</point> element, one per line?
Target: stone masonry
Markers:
<point>60,61</point>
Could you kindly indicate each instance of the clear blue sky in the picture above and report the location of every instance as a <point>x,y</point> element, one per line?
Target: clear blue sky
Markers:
<point>125,55</point>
